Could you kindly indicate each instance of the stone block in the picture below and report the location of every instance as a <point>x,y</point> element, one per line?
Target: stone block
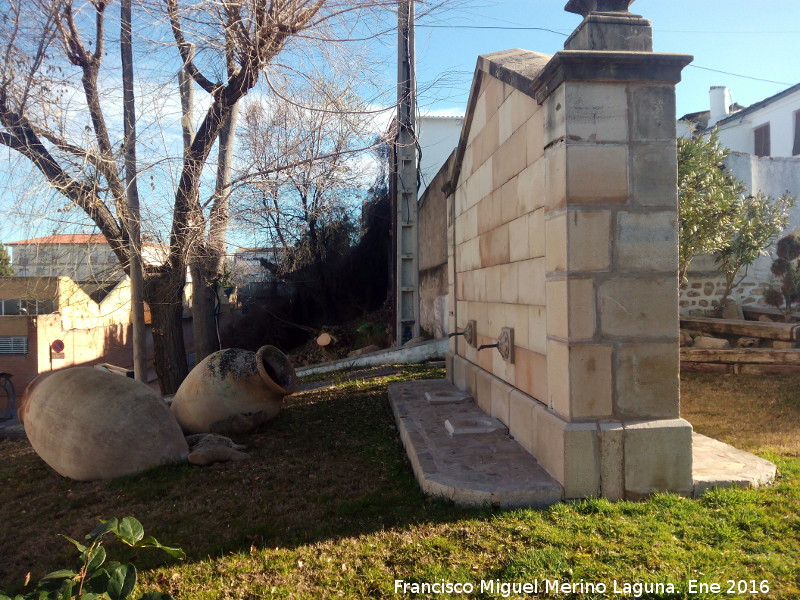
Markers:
<point>558,371</point>
<point>481,183</point>
<point>495,321</point>
<point>510,159</point>
<point>570,452</point>
<point>654,176</point>
<point>500,400</point>
<point>596,111</point>
<point>489,212</point>
<point>488,141</point>
<point>555,228</point>
<point>492,277</point>
<point>468,163</point>
<point>531,286</point>
<point>571,309</point>
<point>580,379</point>
<point>495,95</point>
<point>706,341</point>
<point>448,366</point>
<point>652,112</point>
<point>612,460</point>
<point>556,176</point>
<point>591,381</point>
<point>478,117</point>
<point>494,249</point>
<point>647,381</point>
<point>588,240</point>
<point>555,123</point>
<point>479,281</point>
<point>531,373</point>
<point>509,283</point>
<point>536,233</point>
<point>517,319</point>
<point>647,241</point>
<point>597,174</point>
<point>483,384</point>
<point>458,373</point>
<point>518,239</point>
<point>537,329</point>
<point>505,119</point>
<point>520,418</point>
<point>535,132</point>
<point>639,308</point>
<point>509,200</point>
<point>658,457</point>
<point>531,187</point>
<point>460,200</point>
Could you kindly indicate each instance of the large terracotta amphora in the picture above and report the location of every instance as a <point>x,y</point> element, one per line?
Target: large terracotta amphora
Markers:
<point>234,391</point>
<point>90,424</point>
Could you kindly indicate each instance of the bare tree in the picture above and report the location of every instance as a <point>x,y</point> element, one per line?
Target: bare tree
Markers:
<point>312,152</point>
<point>69,133</point>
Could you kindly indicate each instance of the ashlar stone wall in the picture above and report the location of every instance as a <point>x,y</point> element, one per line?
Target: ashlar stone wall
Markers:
<point>562,226</point>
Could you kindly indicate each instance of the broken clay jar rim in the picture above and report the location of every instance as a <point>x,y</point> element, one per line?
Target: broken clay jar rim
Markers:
<point>276,371</point>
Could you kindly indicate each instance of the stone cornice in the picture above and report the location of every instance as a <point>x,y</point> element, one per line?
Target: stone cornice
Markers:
<point>594,65</point>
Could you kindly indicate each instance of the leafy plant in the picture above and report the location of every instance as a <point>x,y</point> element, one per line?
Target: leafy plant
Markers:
<point>757,221</point>
<point>95,578</point>
<point>708,197</point>
<point>787,268</point>
<point>5,263</point>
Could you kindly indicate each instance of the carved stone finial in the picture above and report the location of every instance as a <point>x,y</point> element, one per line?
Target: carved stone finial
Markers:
<point>584,7</point>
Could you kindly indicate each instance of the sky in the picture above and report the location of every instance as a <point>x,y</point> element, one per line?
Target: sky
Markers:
<point>753,38</point>
<point>749,46</point>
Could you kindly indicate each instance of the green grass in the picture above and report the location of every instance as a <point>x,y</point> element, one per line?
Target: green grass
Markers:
<point>328,508</point>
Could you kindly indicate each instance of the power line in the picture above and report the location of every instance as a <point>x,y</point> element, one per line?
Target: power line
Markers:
<point>565,35</point>
<point>492,27</point>
<point>742,76</point>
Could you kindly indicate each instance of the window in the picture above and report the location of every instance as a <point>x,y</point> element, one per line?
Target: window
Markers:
<point>9,307</point>
<point>761,135</point>
<point>13,345</point>
<point>796,147</point>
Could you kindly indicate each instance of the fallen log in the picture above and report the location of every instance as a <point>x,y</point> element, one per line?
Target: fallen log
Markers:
<point>764,356</point>
<point>789,332</point>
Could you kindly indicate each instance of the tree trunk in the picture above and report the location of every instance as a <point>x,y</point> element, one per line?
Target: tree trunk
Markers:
<point>165,298</point>
<point>204,304</point>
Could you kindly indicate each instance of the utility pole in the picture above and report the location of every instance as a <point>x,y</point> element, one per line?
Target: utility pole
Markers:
<point>406,222</point>
<point>132,194</point>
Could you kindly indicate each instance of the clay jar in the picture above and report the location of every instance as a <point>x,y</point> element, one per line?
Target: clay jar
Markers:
<point>90,424</point>
<point>234,391</point>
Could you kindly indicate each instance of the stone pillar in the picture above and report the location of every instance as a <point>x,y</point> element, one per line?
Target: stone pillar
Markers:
<point>611,232</point>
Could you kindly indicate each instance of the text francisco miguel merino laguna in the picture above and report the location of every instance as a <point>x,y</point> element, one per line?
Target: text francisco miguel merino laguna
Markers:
<point>545,586</point>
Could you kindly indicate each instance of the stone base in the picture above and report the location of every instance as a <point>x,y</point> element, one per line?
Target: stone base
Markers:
<point>719,465</point>
<point>459,453</point>
<point>617,459</point>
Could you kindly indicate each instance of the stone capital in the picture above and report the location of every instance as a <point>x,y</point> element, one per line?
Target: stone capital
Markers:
<point>584,7</point>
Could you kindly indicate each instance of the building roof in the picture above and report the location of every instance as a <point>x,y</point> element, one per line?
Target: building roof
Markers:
<point>75,238</point>
<point>759,105</point>
<point>64,238</point>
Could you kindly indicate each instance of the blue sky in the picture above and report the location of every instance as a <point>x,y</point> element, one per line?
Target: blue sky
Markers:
<point>758,39</point>
<point>754,39</point>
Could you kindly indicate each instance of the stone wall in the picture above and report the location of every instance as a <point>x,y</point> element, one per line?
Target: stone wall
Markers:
<point>563,229</point>
<point>433,255</point>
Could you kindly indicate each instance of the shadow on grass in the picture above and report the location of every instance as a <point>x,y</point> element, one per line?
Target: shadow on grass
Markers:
<point>330,466</point>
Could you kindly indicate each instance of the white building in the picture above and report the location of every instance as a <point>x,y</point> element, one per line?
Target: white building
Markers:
<point>438,137</point>
<point>83,257</point>
<point>764,140</point>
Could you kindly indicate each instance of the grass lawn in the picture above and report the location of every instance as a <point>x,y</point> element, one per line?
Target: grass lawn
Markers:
<point>328,508</point>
